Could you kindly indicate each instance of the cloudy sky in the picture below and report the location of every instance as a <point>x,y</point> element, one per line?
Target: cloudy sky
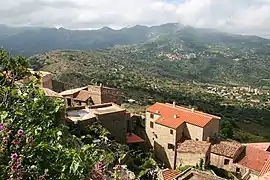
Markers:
<point>239,16</point>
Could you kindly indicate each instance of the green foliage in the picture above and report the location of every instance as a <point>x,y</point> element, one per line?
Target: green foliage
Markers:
<point>183,168</point>
<point>227,130</point>
<point>201,164</point>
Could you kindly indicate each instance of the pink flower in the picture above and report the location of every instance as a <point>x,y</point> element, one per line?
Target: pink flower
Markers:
<point>6,142</point>
<point>20,132</point>
<point>31,140</point>
<point>14,156</point>
<point>14,168</point>
<point>15,141</point>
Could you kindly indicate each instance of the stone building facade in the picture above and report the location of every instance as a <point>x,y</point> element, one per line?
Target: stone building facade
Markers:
<point>167,124</point>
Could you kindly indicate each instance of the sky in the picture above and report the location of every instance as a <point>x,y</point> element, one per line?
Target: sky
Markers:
<point>237,16</point>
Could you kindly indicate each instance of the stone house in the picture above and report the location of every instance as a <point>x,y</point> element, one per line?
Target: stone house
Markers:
<point>90,95</point>
<point>110,115</point>
<point>45,78</point>
<point>167,124</point>
<point>101,94</point>
<point>224,154</point>
<point>191,152</point>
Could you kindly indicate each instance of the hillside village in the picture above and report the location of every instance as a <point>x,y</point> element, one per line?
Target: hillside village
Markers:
<point>186,141</point>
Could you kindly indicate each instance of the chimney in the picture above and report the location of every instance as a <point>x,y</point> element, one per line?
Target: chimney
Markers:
<point>157,111</point>
<point>173,104</point>
<point>100,84</point>
<point>192,109</point>
<point>175,116</point>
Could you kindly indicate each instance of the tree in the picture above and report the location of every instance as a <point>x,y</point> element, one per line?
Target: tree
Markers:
<point>227,129</point>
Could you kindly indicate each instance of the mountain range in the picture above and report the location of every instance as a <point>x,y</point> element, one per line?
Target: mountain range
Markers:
<point>169,50</point>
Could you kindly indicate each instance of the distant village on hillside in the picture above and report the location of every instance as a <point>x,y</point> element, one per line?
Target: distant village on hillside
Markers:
<point>179,136</point>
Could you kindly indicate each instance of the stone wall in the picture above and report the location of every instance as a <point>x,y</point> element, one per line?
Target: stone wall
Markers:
<point>195,132</point>
<point>211,129</point>
<point>115,123</point>
<point>219,161</point>
<point>160,138</point>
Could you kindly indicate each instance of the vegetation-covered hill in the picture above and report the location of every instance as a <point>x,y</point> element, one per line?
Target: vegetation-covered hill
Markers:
<point>145,77</point>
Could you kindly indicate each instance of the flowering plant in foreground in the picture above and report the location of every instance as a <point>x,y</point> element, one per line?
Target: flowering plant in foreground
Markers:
<point>12,145</point>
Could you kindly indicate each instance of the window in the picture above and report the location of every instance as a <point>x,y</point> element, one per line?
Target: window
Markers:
<point>197,139</point>
<point>171,131</point>
<point>69,102</point>
<point>226,161</point>
<point>170,146</point>
<point>237,170</point>
<point>151,124</point>
<point>152,116</point>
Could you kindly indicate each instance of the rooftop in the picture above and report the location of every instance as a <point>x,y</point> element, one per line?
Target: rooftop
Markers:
<point>133,138</point>
<point>262,146</point>
<point>85,113</point>
<point>80,114</point>
<point>83,95</point>
<point>169,174</point>
<point>254,158</point>
<point>174,116</point>
<point>226,148</point>
<point>71,91</point>
<point>106,108</point>
<point>266,168</point>
<point>193,146</point>
<point>195,174</point>
<point>42,73</point>
<point>51,93</point>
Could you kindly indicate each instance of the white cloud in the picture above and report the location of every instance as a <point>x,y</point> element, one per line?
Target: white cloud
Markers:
<point>241,16</point>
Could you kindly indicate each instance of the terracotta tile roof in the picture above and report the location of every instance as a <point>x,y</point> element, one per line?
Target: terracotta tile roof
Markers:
<point>226,148</point>
<point>174,116</point>
<point>169,174</point>
<point>261,146</point>
<point>194,146</point>
<point>133,138</point>
<point>266,167</point>
<point>82,95</point>
<point>254,159</point>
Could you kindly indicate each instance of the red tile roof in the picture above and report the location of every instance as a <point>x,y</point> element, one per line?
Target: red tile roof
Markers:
<point>261,146</point>
<point>254,159</point>
<point>266,168</point>
<point>133,138</point>
<point>174,116</point>
<point>169,174</point>
<point>226,148</point>
<point>82,95</point>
